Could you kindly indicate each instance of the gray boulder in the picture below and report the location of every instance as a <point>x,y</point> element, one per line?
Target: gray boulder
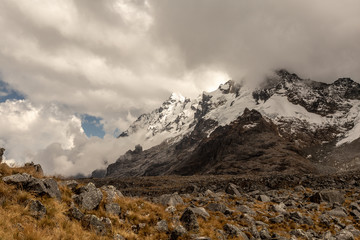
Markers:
<point>178,232</point>
<point>111,193</point>
<point>246,209</point>
<point>233,231</point>
<point>263,198</point>
<point>232,189</point>
<point>37,209</point>
<point>330,196</point>
<point>75,213</point>
<point>217,207</point>
<point>162,226</point>
<point>113,208</point>
<point>99,225</point>
<point>200,212</point>
<point>89,197</point>
<point>337,212</point>
<point>118,237</point>
<point>171,199</point>
<point>40,187</point>
<point>344,235</point>
<point>189,221</point>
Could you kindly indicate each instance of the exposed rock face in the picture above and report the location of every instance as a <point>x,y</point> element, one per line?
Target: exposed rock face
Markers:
<point>2,150</point>
<point>37,209</point>
<point>189,220</point>
<point>89,197</point>
<point>40,187</point>
<point>331,196</point>
<point>99,225</point>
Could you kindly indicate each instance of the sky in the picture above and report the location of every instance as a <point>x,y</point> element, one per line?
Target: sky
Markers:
<point>75,73</point>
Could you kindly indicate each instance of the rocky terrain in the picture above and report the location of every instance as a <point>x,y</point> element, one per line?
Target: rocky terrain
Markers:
<point>213,207</point>
<point>289,125</point>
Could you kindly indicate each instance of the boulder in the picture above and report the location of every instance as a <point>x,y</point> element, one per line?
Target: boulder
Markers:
<point>72,184</point>
<point>99,225</point>
<point>246,209</point>
<point>75,213</point>
<point>263,198</point>
<point>89,197</point>
<point>189,221</point>
<point>37,209</point>
<point>217,207</point>
<point>111,193</point>
<point>40,187</point>
<point>162,226</point>
<point>113,208</point>
<point>233,231</point>
<point>330,196</point>
<point>344,235</point>
<point>177,232</point>
<point>337,212</point>
<point>233,190</point>
<point>118,237</point>
<point>200,212</point>
<point>171,199</point>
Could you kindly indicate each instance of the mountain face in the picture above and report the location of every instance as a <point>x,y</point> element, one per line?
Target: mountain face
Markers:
<point>293,125</point>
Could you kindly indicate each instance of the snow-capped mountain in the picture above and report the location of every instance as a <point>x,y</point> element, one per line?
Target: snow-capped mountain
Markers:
<point>312,117</point>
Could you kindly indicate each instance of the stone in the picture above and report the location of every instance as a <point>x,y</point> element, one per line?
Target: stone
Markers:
<point>233,190</point>
<point>279,208</point>
<point>189,221</point>
<point>217,207</point>
<point>296,217</point>
<point>200,212</point>
<point>211,194</point>
<point>41,187</point>
<point>337,212</point>
<point>113,208</point>
<point>330,196</point>
<point>72,184</point>
<point>162,226</point>
<point>264,234</point>
<point>246,209</point>
<point>37,209</point>
<point>2,150</point>
<point>233,231</point>
<point>118,237</point>
<point>111,193</point>
<point>94,223</point>
<point>277,219</point>
<point>170,209</point>
<point>263,198</point>
<point>89,197</point>
<point>344,235</point>
<point>75,213</point>
<point>355,232</point>
<point>312,206</point>
<point>299,233</point>
<point>171,199</point>
<point>178,232</point>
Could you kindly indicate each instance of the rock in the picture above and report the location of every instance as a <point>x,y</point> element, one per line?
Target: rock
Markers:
<point>246,209</point>
<point>170,209</point>
<point>299,188</point>
<point>312,206</point>
<point>113,208</point>
<point>2,150</point>
<point>233,190</point>
<point>299,233</point>
<point>264,234</point>
<point>111,193</point>
<point>217,207</point>
<point>178,232</point>
<point>211,194</point>
<point>296,217</point>
<point>233,231</point>
<point>162,226</point>
<point>94,223</point>
<point>263,198</point>
<point>337,212</point>
<point>330,196</point>
<point>171,199</point>
<point>72,184</point>
<point>355,232</point>
<point>277,219</point>
<point>344,235</point>
<point>98,173</point>
<point>89,197</point>
<point>118,237</point>
<point>202,238</point>
<point>279,208</point>
<point>36,167</point>
<point>189,221</point>
<point>40,187</point>
<point>75,213</point>
<point>52,188</point>
<point>200,212</point>
<point>37,209</point>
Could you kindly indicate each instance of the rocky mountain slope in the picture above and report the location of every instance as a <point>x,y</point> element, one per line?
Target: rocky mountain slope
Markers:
<point>293,125</point>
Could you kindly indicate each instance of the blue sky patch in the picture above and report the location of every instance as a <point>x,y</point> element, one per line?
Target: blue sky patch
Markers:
<point>7,93</point>
<point>92,126</point>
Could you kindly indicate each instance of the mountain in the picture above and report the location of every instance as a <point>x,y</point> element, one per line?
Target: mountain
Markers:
<point>287,125</point>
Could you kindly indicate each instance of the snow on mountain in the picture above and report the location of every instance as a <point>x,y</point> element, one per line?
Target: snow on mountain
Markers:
<point>287,100</point>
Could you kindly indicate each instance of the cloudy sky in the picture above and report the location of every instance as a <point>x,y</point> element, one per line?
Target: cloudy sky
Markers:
<point>74,73</point>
